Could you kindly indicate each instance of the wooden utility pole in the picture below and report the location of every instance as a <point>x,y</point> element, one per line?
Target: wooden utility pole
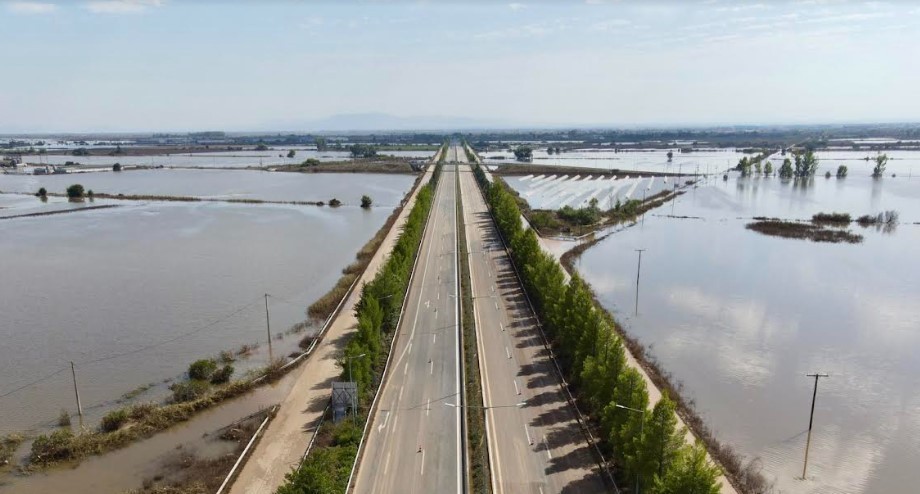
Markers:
<point>638,271</point>
<point>73,372</point>
<point>811,419</point>
<point>268,329</point>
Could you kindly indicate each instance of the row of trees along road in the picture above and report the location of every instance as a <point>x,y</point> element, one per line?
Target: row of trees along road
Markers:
<point>647,447</point>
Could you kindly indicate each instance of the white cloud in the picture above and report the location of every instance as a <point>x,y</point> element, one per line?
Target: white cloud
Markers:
<point>121,6</point>
<point>31,7</point>
<point>516,6</point>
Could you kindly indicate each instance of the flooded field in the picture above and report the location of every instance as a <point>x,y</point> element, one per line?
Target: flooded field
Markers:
<point>704,161</point>
<point>133,294</point>
<point>218,159</point>
<point>385,189</point>
<point>740,318</point>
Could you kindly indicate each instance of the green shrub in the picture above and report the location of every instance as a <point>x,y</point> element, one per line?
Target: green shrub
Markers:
<point>223,375</point>
<point>366,201</point>
<point>113,420</point>
<point>54,447</point>
<point>189,390</point>
<point>75,191</point>
<point>346,434</point>
<point>202,369</point>
<point>334,202</point>
<point>64,418</point>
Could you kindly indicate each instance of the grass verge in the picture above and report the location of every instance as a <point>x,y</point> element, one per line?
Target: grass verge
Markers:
<point>480,474</point>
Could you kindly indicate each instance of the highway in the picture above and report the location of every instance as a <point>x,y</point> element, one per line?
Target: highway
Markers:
<point>414,441</point>
<point>537,447</point>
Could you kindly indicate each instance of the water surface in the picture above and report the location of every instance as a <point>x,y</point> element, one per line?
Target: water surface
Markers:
<point>740,318</point>
<point>183,280</point>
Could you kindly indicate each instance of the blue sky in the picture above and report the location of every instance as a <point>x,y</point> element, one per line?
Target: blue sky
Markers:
<point>150,65</point>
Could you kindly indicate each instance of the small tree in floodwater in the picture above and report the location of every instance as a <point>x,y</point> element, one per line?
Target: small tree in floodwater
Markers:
<point>806,164</point>
<point>41,192</point>
<point>291,153</point>
<point>366,201</point>
<point>768,169</point>
<point>334,202</point>
<point>75,191</point>
<point>842,171</point>
<point>116,167</point>
<point>670,155</point>
<point>785,171</point>
<point>880,162</point>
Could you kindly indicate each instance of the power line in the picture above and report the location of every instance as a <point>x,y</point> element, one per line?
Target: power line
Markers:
<point>24,386</point>
<point>150,346</point>
<point>175,338</point>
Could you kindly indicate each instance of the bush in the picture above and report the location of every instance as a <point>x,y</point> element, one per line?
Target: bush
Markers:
<point>202,369</point>
<point>310,162</point>
<point>64,418</point>
<point>113,420</point>
<point>366,201</point>
<point>580,216</point>
<point>334,203</point>
<point>223,375</point>
<point>75,191</point>
<point>54,447</point>
<point>41,192</point>
<point>841,171</point>
<point>116,167</point>
<point>188,390</point>
<point>831,218</point>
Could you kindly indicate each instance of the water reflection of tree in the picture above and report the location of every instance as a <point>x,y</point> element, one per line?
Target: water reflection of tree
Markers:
<point>803,183</point>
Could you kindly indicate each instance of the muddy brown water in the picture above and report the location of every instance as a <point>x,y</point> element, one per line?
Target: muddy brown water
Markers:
<point>127,468</point>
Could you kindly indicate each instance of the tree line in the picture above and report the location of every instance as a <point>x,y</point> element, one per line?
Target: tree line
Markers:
<point>647,446</point>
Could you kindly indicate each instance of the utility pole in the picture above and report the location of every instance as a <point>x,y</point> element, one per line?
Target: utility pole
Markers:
<point>73,372</point>
<point>811,419</point>
<point>638,272</point>
<point>268,329</point>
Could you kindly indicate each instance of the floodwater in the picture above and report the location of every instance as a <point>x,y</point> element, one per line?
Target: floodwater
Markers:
<point>385,189</point>
<point>126,469</point>
<point>218,159</point>
<point>740,318</point>
<point>707,161</point>
<point>698,161</point>
<point>134,294</point>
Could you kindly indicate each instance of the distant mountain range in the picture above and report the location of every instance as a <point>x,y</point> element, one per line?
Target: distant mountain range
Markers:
<point>387,122</point>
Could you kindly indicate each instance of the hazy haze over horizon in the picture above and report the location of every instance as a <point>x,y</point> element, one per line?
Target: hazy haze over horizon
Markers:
<point>157,65</point>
